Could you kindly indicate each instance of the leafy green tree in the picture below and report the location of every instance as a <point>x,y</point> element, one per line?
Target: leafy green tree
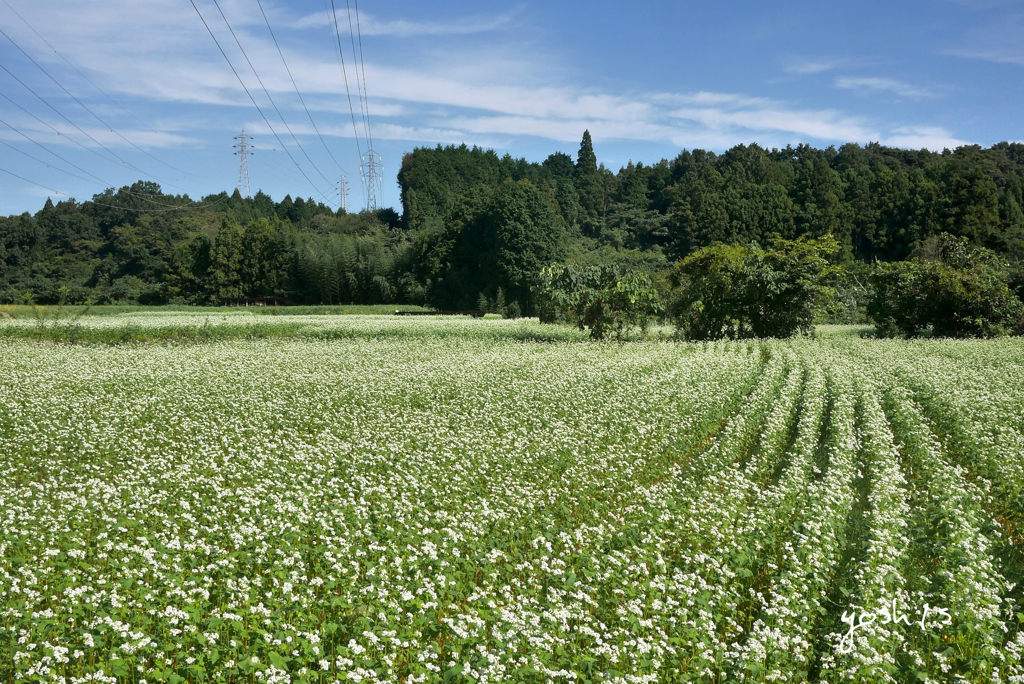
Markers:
<point>950,288</point>
<point>521,235</point>
<point>226,261</point>
<point>880,203</point>
<point>733,291</point>
<point>266,264</point>
<point>710,300</point>
<point>189,281</point>
<point>601,299</point>
<point>569,205</point>
<point>789,285</point>
<point>362,264</point>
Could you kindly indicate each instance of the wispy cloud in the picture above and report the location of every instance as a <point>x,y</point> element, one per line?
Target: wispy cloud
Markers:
<point>475,97</point>
<point>874,84</point>
<point>371,26</point>
<point>1006,55</point>
<point>923,137</point>
<point>775,118</point>
<point>981,4</point>
<point>994,39</point>
<point>146,139</point>
<point>812,66</point>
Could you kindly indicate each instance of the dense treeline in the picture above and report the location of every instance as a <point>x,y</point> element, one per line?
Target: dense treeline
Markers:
<point>878,203</point>
<point>477,227</point>
<point>133,246</point>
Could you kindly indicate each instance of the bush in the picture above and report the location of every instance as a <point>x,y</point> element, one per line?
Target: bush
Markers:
<point>730,291</point>
<point>950,288</point>
<point>601,299</point>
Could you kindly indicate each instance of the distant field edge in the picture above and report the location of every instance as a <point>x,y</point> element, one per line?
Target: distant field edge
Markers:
<point>27,311</point>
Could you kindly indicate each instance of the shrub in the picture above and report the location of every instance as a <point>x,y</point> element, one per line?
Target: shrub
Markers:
<point>601,299</point>
<point>734,291</point>
<point>949,287</point>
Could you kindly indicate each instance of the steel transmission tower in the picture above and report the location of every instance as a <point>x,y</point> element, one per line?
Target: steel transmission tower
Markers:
<point>244,148</point>
<point>343,191</point>
<point>373,172</point>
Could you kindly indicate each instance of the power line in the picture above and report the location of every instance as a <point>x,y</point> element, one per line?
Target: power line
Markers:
<point>359,84</point>
<point>90,81</point>
<point>344,73</point>
<point>46,164</point>
<point>111,206</point>
<point>77,127</point>
<point>362,66</point>
<point>69,139</point>
<point>74,175</point>
<point>56,192</point>
<point>41,146</point>
<point>102,182</point>
<point>281,169</point>
<point>372,167</point>
<point>82,105</point>
<point>295,85</point>
<point>267,93</point>
<point>251,98</point>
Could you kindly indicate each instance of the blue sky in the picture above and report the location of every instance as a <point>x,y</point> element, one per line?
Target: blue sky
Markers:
<point>647,78</point>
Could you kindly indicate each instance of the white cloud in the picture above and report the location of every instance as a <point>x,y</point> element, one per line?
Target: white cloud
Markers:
<point>371,26</point>
<point>156,51</point>
<point>1006,55</point>
<point>923,137</point>
<point>808,67</point>
<point>873,84</point>
<point>146,139</point>
<point>819,125</point>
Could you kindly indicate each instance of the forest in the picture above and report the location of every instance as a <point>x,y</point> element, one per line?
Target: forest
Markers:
<point>477,228</point>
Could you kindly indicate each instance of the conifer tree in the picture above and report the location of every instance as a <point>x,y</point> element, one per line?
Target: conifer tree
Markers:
<point>586,160</point>
<point>499,302</point>
<point>589,186</point>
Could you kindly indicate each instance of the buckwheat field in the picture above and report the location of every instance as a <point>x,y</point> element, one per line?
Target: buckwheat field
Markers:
<point>453,501</point>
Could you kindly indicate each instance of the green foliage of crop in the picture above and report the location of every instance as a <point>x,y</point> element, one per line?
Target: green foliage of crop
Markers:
<point>450,500</point>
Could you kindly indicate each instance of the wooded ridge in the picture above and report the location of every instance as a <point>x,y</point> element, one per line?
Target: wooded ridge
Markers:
<point>474,223</point>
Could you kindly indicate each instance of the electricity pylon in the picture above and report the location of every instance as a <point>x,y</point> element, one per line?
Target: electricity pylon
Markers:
<point>373,171</point>
<point>244,148</point>
<point>343,191</point>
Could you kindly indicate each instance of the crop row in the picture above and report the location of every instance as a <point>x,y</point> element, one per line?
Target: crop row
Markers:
<point>439,509</point>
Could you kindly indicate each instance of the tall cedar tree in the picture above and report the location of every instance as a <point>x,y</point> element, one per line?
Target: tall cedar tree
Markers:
<point>589,187</point>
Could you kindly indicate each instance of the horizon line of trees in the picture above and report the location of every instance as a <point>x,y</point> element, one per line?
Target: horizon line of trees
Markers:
<point>475,225</point>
